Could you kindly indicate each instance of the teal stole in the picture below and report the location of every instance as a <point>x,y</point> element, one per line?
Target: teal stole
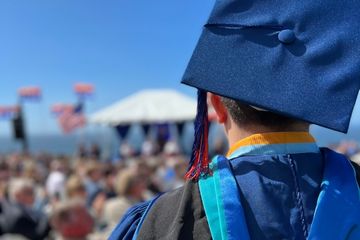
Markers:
<point>337,214</point>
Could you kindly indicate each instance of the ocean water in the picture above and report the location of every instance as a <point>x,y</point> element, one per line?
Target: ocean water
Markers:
<point>109,142</point>
<point>59,143</point>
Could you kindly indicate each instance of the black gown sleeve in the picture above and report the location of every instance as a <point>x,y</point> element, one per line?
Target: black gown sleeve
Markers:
<point>177,215</point>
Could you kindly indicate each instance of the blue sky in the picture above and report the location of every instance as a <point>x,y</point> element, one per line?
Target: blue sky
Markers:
<point>121,46</point>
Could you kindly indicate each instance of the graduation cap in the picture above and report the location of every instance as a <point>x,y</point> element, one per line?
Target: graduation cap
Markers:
<point>300,59</point>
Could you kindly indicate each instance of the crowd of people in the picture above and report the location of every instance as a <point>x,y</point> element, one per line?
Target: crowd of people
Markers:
<point>82,197</point>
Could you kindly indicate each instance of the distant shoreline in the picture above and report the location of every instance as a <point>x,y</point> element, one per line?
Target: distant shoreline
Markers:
<point>67,144</point>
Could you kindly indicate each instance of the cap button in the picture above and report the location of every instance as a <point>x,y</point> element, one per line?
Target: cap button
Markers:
<point>286,36</point>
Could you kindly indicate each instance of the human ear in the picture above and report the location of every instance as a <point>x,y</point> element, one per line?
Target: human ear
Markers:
<point>220,109</point>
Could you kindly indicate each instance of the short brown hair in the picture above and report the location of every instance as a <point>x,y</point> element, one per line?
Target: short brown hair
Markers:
<point>244,114</point>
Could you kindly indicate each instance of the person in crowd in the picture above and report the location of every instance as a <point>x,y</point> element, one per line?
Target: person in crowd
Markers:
<point>72,221</point>
<point>4,179</point>
<point>148,147</point>
<point>79,167</point>
<point>75,188</point>
<point>126,150</point>
<point>109,181</point>
<point>171,148</point>
<point>21,192</point>
<point>93,182</point>
<point>55,182</point>
<point>82,152</point>
<point>180,168</point>
<point>17,214</point>
<point>348,148</point>
<point>270,69</point>
<point>148,169</point>
<point>95,151</point>
<point>130,189</point>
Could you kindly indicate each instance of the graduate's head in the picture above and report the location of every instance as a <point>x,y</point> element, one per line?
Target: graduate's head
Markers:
<point>254,120</point>
<point>297,59</point>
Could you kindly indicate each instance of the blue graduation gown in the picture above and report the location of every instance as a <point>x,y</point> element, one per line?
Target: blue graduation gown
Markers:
<point>227,211</point>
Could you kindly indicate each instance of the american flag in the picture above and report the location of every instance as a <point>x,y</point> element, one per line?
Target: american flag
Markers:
<point>30,93</point>
<point>84,89</point>
<point>72,118</point>
<point>59,108</point>
<point>8,112</point>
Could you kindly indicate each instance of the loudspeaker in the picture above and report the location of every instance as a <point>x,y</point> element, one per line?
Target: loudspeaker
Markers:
<point>18,127</point>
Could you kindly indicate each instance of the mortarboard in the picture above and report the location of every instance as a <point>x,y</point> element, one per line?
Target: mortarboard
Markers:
<point>300,59</point>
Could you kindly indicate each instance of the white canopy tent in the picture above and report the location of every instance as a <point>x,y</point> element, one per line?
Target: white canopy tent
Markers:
<point>148,106</point>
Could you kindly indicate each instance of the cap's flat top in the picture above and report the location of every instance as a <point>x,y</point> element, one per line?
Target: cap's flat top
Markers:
<point>297,58</point>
